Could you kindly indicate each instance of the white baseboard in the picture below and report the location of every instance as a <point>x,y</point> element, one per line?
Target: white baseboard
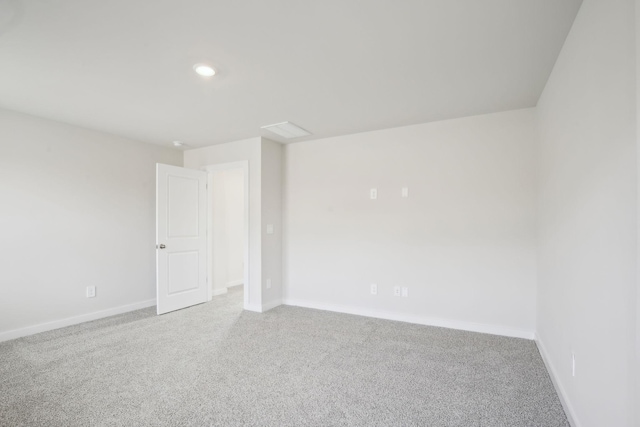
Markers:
<point>264,307</point>
<point>56,324</point>
<point>253,307</point>
<point>420,320</point>
<point>562,394</point>
<point>235,283</point>
<point>218,291</point>
<point>270,305</point>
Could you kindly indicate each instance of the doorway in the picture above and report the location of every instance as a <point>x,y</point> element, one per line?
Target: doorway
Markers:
<point>228,225</point>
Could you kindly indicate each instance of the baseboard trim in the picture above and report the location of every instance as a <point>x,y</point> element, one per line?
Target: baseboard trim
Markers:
<point>264,307</point>
<point>253,307</point>
<point>219,291</point>
<point>420,320</point>
<point>562,394</point>
<point>271,305</point>
<point>69,321</point>
<point>235,283</point>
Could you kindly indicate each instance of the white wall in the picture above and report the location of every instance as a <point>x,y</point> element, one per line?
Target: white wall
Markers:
<point>264,169</point>
<point>463,242</point>
<point>588,216</point>
<point>228,228</point>
<point>78,209</point>
<point>249,150</point>
<point>637,314</point>
<point>234,211</point>
<point>272,163</point>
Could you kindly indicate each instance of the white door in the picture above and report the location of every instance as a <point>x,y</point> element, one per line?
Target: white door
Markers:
<point>181,237</point>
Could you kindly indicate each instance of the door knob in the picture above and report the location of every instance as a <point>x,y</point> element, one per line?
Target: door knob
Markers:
<point>162,246</point>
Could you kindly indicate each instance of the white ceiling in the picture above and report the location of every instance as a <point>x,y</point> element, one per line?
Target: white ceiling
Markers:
<point>333,67</point>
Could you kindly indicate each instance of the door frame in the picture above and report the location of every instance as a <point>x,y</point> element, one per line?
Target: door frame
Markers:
<point>210,169</point>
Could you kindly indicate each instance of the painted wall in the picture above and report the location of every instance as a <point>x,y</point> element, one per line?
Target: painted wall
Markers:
<point>228,228</point>
<point>78,209</point>
<point>265,256</point>
<point>272,163</point>
<point>462,242</point>
<point>637,325</point>
<point>587,157</point>
<point>247,149</point>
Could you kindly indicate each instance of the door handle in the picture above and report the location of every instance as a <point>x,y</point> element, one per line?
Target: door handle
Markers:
<point>162,246</point>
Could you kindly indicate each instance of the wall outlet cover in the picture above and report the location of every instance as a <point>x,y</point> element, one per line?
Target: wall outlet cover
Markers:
<point>91,291</point>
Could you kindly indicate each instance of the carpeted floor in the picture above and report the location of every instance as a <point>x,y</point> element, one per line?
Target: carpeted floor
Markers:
<point>215,365</point>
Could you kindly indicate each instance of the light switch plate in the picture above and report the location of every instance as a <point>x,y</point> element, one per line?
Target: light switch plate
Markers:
<point>269,228</point>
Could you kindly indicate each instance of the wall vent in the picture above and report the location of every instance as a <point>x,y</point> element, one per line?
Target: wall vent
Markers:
<point>287,130</point>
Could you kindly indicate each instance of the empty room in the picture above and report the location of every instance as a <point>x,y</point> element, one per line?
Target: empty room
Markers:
<point>320,213</point>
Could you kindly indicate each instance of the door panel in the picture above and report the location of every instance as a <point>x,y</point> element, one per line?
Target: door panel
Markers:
<point>181,237</point>
<point>183,211</point>
<point>183,270</point>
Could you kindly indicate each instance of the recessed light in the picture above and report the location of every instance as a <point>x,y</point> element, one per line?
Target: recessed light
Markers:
<point>178,143</point>
<point>204,70</point>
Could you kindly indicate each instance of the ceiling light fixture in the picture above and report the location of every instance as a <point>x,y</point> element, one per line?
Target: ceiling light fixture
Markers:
<point>204,70</point>
<point>287,130</point>
<point>178,144</point>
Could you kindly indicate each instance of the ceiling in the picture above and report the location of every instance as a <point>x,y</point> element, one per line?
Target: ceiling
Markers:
<point>333,67</point>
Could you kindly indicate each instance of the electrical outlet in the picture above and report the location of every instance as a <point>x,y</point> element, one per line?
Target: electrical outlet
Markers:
<point>374,289</point>
<point>373,193</point>
<point>405,192</point>
<point>405,291</point>
<point>268,283</point>
<point>397,291</point>
<point>269,228</point>
<point>91,291</point>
